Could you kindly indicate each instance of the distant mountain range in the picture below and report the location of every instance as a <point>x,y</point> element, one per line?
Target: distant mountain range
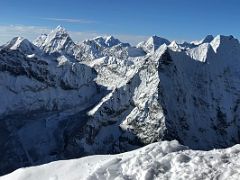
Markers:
<point>62,99</point>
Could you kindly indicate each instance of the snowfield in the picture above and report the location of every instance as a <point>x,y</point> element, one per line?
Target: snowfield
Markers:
<point>161,160</point>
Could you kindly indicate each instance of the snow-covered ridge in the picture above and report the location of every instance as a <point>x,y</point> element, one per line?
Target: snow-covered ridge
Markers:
<point>105,96</point>
<point>163,160</point>
<point>22,44</point>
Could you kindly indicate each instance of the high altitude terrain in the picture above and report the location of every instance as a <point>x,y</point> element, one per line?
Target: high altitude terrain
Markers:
<point>62,99</point>
<point>166,160</point>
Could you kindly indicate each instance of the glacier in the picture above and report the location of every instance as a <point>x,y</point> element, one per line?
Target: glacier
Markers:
<point>63,100</point>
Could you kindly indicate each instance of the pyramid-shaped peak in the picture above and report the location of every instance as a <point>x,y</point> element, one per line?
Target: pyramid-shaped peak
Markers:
<point>153,43</point>
<point>58,31</point>
<point>16,42</point>
<point>208,39</point>
<point>111,41</point>
<point>111,38</point>
<point>21,44</point>
<point>58,34</point>
<point>158,40</point>
<point>60,28</point>
<point>57,40</point>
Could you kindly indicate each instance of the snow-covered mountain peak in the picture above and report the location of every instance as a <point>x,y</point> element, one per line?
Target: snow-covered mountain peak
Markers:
<point>14,43</point>
<point>100,46</point>
<point>60,28</point>
<point>57,40</point>
<point>106,41</point>
<point>111,41</point>
<point>157,40</point>
<point>153,43</point>
<point>22,44</point>
<point>58,32</point>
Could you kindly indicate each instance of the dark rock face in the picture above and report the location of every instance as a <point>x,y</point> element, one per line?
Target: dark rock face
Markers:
<point>17,64</point>
<point>43,108</point>
<point>198,104</point>
<point>37,138</point>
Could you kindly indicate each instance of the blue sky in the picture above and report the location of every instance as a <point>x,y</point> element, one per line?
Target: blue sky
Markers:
<point>132,20</point>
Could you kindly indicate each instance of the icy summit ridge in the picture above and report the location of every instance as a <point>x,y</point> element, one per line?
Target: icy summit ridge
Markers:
<point>107,41</point>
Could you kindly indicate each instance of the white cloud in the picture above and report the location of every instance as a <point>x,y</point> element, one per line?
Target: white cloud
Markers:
<point>32,32</point>
<point>82,21</point>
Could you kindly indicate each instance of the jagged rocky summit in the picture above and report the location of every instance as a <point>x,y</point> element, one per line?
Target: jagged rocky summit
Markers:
<point>62,99</point>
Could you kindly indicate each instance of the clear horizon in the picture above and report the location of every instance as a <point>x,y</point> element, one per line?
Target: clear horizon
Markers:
<point>127,20</point>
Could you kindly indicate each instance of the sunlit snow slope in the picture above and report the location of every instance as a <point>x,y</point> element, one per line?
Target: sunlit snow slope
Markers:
<point>163,160</point>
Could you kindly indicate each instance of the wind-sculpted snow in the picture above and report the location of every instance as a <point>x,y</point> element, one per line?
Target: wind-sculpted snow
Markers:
<point>163,160</point>
<point>64,100</point>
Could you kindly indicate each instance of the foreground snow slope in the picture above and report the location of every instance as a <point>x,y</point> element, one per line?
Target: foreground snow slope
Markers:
<point>162,160</point>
